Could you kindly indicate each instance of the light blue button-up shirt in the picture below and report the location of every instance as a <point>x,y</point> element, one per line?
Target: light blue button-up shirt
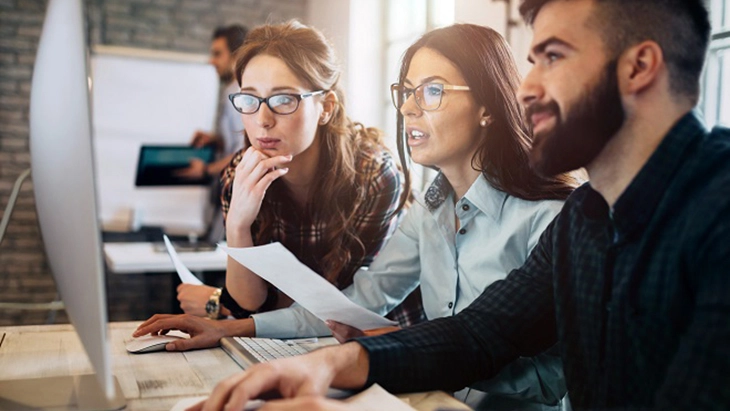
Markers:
<point>497,232</point>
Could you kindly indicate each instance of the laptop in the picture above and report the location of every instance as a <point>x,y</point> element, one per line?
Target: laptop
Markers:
<point>158,165</point>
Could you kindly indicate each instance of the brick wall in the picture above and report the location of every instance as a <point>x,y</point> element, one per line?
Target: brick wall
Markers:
<point>180,25</point>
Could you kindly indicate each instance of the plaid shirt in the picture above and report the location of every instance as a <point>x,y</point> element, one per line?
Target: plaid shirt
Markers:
<point>638,296</point>
<point>374,223</point>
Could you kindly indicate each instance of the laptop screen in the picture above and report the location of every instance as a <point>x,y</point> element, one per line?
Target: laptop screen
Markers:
<point>158,165</point>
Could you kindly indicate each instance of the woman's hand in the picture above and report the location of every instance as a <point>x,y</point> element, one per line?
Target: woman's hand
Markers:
<point>344,332</point>
<point>193,298</point>
<point>254,175</point>
<point>204,333</point>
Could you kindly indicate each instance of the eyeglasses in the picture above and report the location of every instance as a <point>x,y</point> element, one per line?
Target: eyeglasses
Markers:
<point>283,103</point>
<point>428,95</point>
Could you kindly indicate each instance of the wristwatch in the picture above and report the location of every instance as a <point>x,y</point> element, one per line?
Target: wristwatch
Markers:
<point>213,306</point>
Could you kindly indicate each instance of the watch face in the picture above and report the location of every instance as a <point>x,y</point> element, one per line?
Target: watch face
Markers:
<point>210,307</point>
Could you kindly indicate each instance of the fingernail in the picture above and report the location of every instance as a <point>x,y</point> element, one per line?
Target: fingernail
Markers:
<point>285,169</point>
<point>170,347</point>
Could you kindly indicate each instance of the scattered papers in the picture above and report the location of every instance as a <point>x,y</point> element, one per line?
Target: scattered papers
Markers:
<point>186,403</point>
<point>280,267</point>
<point>185,275</point>
<point>376,398</point>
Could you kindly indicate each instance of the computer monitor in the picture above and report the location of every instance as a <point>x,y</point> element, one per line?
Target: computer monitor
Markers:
<point>63,182</point>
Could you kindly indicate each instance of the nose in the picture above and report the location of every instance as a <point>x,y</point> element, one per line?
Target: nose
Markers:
<point>409,107</point>
<point>265,118</point>
<point>531,89</point>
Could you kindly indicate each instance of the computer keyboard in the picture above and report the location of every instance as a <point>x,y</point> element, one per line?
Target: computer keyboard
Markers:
<point>267,349</point>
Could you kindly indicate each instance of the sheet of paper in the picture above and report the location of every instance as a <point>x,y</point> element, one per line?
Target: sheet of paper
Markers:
<point>377,398</point>
<point>185,275</point>
<point>280,267</point>
<point>186,403</point>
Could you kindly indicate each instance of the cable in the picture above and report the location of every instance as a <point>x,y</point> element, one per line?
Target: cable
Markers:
<point>11,203</point>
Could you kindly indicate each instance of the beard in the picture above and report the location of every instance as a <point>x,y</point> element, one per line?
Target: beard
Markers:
<point>589,124</point>
<point>226,78</point>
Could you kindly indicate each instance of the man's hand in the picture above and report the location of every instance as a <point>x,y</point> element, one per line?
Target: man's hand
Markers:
<point>202,139</point>
<point>193,298</point>
<point>344,332</point>
<point>307,376</point>
<point>195,171</point>
<point>204,333</point>
<point>299,403</point>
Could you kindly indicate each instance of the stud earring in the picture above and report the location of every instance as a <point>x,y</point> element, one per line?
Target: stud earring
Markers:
<point>483,122</point>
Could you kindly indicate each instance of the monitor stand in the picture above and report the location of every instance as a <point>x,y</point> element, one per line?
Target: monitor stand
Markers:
<point>77,392</point>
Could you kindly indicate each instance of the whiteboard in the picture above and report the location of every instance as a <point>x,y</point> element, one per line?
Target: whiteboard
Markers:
<point>148,97</point>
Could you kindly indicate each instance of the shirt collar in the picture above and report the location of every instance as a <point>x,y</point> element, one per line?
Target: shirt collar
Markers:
<point>481,194</point>
<point>635,207</point>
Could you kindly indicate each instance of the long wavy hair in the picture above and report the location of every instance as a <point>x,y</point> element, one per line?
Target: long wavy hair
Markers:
<point>342,142</point>
<point>490,71</point>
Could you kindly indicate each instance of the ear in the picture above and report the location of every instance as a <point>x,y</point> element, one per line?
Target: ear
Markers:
<point>328,106</point>
<point>639,67</point>
<point>484,118</point>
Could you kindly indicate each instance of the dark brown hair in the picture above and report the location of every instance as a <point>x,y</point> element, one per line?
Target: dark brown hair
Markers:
<point>234,34</point>
<point>680,27</point>
<point>342,142</point>
<point>490,72</point>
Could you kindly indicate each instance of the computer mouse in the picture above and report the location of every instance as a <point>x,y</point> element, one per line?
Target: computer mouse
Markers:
<point>149,343</point>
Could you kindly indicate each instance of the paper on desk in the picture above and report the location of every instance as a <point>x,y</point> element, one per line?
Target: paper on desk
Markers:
<point>280,267</point>
<point>186,403</point>
<point>185,275</point>
<point>376,398</point>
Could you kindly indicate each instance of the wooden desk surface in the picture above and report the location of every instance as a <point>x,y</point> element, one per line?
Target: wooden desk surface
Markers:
<point>153,381</point>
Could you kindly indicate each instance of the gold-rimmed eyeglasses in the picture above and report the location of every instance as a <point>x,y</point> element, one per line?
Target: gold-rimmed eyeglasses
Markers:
<point>428,95</point>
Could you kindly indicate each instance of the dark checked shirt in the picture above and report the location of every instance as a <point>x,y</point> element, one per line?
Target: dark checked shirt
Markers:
<point>374,222</point>
<point>638,296</point>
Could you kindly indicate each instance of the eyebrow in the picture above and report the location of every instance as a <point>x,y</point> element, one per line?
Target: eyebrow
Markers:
<point>427,80</point>
<point>275,89</point>
<point>539,48</point>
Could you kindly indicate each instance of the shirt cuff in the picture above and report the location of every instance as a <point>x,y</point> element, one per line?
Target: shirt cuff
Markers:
<point>292,322</point>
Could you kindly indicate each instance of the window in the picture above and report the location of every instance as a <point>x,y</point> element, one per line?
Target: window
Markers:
<point>716,88</point>
<point>406,21</point>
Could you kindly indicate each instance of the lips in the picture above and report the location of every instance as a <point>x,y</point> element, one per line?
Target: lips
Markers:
<point>540,118</point>
<point>416,136</point>
<point>268,142</point>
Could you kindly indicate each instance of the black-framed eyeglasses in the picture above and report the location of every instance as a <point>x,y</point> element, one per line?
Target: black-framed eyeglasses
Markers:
<point>428,95</point>
<point>282,103</point>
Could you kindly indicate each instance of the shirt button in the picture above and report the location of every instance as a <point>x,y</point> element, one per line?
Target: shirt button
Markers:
<point>462,231</point>
<point>451,305</point>
<point>465,207</point>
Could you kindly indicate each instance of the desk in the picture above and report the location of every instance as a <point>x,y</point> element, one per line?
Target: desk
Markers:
<point>154,381</point>
<point>134,258</point>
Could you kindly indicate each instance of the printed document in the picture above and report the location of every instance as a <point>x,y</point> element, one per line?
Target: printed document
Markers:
<point>277,265</point>
<point>185,275</point>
